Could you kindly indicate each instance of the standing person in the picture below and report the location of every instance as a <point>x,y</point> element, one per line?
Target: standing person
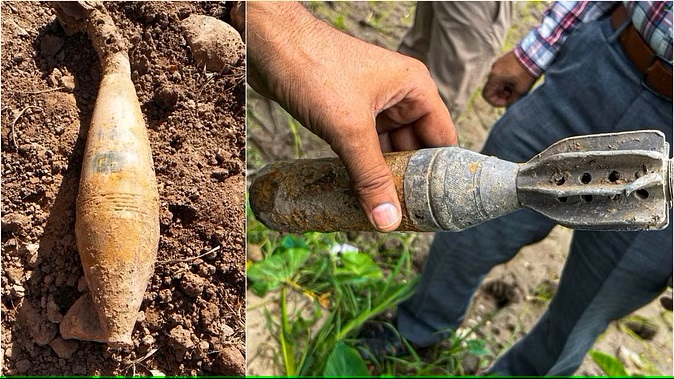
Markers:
<point>457,41</point>
<point>608,68</point>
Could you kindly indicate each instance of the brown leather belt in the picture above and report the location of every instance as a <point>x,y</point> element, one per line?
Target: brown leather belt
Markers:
<point>655,74</point>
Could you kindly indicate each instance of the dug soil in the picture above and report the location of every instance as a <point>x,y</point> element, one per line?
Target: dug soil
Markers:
<point>514,295</point>
<point>192,320</point>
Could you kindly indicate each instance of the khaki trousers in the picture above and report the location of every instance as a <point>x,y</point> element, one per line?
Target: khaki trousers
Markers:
<point>458,41</point>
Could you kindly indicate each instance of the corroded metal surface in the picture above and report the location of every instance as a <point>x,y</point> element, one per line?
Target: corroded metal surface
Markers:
<point>617,181</point>
<point>316,195</point>
<point>446,188</point>
<point>117,215</point>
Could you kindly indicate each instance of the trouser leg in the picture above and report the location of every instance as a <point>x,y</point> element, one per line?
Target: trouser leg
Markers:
<point>458,41</point>
<point>607,276</point>
<point>589,89</point>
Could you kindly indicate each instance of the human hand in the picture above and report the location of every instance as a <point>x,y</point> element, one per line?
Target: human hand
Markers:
<point>361,99</point>
<point>507,82</point>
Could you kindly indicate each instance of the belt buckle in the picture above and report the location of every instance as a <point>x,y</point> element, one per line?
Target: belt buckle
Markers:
<point>644,79</point>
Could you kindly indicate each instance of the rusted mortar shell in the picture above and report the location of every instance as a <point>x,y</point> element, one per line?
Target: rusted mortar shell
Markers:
<point>117,216</point>
<point>315,195</point>
<point>613,181</point>
<point>117,220</point>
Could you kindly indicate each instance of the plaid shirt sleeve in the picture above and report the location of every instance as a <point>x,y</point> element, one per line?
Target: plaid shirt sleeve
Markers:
<point>653,20</point>
<point>540,46</point>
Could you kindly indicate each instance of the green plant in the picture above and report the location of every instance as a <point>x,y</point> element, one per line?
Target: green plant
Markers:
<point>611,365</point>
<point>339,292</point>
<point>344,290</point>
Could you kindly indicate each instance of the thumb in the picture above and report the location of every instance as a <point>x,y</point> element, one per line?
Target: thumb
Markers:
<point>371,177</point>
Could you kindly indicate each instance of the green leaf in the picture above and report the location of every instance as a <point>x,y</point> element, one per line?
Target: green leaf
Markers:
<point>477,347</point>
<point>358,268</point>
<point>291,241</point>
<point>344,360</point>
<point>270,273</point>
<point>611,365</point>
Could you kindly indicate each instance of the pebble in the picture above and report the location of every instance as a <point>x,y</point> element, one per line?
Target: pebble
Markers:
<point>54,312</point>
<point>64,348</point>
<point>15,223</point>
<point>192,284</point>
<point>181,337</point>
<point>230,362</point>
<point>15,274</point>
<point>31,250</point>
<point>213,43</point>
<point>39,328</point>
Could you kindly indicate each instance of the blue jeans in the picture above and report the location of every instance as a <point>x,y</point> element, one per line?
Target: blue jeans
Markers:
<point>590,88</point>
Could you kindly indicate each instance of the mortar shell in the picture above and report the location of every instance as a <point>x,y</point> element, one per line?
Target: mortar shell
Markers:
<point>117,219</point>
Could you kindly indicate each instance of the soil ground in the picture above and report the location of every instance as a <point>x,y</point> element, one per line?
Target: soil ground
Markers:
<point>192,319</point>
<point>525,283</point>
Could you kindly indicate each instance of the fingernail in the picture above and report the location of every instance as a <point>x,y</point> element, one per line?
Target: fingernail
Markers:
<point>385,215</point>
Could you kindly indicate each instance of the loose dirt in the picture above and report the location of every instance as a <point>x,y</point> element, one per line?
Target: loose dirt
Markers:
<point>192,319</point>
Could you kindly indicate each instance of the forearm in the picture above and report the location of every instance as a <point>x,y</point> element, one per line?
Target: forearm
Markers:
<point>272,40</point>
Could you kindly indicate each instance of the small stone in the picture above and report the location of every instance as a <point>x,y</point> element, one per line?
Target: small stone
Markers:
<point>154,320</point>
<point>221,174</point>
<point>167,96</point>
<point>31,251</point>
<point>21,32</point>
<point>148,340</point>
<point>54,312</point>
<point>230,362</point>
<point>206,270</point>
<point>201,351</point>
<point>213,43</point>
<point>55,77</point>
<point>165,295</point>
<point>11,247</point>
<point>192,284</point>
<point>181,337</point>
<point>68,82</point>
<point>60,279</point>
<point>72,280</point>
<point>209,313</point>
<point>17,291</point>
<point>15,223</point>
<point>15,274</point>
<point>39,328</point>
<point>64,348</point>
<point>470,364</point>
